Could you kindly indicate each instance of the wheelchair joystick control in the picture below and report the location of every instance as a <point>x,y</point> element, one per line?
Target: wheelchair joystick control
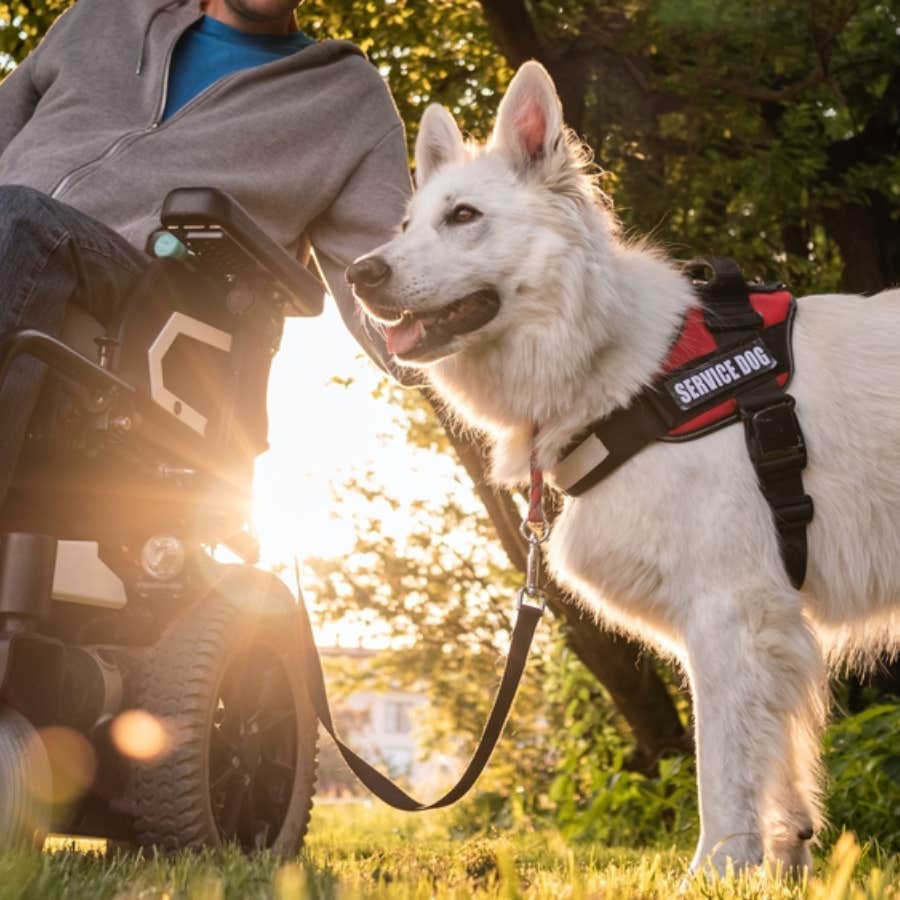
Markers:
<point>167,246</point>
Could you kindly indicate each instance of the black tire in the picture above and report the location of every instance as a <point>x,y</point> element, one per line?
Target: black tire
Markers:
<point>241,762</point>
<point>25,782</point>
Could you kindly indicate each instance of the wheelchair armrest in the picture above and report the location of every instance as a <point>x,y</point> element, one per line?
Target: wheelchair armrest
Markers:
<point>195,215</point>
<point>55,354</point>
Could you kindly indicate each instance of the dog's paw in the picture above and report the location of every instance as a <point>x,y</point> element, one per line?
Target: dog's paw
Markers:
<point>791,860</point>
<point>733,854</point>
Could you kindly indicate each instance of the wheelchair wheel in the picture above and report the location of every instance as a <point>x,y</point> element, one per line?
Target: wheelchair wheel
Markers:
<point>240,762</point>
<point>25,782</point>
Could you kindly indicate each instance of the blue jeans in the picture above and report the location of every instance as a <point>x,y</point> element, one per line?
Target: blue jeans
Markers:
<point>51,255</point>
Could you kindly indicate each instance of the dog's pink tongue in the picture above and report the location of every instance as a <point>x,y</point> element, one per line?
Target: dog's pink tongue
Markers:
<point>403,337</point>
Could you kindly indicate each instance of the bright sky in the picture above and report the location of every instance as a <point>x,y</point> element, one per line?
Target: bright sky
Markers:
<point>321,433</point>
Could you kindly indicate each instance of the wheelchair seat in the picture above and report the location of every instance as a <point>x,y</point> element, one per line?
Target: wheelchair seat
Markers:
<point>80,330</point>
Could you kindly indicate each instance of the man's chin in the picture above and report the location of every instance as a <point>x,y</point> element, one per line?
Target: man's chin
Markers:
<point>273,12</point>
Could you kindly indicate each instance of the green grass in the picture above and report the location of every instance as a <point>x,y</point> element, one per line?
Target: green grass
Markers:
<point>365,852</point>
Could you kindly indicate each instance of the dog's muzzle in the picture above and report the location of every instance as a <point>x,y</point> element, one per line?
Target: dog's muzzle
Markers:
<point>422,334</point>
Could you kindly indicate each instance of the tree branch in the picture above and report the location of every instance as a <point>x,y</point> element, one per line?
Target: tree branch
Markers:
<point>510,22</point>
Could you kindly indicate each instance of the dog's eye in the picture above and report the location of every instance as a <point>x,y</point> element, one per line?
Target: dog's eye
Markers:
<point>404,225</point>
<point>463,213</point>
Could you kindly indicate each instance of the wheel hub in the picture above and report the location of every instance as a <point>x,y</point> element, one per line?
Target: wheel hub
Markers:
<point>253,750</point>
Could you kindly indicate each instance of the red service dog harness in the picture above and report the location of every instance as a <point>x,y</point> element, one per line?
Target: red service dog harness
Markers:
<point>731,361</point>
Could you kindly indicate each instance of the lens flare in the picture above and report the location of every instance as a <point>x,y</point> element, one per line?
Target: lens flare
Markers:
<point>73,763</point>
<point>139,735</point>
<point>34,764</point>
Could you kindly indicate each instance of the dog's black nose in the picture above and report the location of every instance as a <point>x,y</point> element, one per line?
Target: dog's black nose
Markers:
<point>368,272</point>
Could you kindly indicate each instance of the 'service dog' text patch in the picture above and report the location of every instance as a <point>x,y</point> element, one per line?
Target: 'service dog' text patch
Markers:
<point>720,374</point>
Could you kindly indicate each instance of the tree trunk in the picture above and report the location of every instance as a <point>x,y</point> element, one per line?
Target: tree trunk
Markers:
<point>869,241</point>
<point>627,673</point>
<point>513,30</point>
<point>867,230</point>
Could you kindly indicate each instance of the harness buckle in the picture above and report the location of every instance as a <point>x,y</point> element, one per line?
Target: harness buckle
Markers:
<point>774,439</point>
<point>795,515</point>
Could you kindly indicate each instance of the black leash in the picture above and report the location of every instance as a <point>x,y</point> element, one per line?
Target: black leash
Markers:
<point>531,604</point>
<point>526,622</point>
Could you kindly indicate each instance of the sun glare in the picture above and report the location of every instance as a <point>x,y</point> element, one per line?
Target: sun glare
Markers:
<point>320,430</point>
<point>325,427</point>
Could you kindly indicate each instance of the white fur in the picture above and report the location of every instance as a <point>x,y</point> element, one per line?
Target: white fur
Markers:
<point>678,546</point>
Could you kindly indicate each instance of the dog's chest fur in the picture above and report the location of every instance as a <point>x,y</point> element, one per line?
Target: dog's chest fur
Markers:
<point>640,547</point>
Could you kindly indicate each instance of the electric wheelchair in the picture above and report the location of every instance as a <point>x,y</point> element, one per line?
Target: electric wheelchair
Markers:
<point>149,691</point>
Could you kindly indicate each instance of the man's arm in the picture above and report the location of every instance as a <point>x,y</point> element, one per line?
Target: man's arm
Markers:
<point>19,94</point>
<point>18,99</point>
<point>365,215</point>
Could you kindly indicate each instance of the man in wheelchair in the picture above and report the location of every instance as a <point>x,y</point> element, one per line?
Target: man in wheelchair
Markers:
<point>155,309</point>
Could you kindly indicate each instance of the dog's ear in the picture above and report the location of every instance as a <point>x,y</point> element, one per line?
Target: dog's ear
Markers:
<point>439,143</point>
<point>529,125</point>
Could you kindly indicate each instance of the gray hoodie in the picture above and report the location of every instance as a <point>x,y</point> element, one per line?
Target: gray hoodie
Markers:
<point>311,145</point>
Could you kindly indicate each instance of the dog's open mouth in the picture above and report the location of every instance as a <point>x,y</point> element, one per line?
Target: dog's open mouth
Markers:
<point>418,335</point>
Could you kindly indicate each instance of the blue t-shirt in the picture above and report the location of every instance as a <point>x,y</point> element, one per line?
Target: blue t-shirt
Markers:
<point>210,49</point>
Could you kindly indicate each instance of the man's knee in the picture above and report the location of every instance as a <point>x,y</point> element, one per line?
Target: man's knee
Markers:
<point>29,232</point>
<point>19,203</point>
<point>29,223</point>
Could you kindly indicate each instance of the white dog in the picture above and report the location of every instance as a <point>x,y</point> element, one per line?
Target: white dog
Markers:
<point>511,283</point>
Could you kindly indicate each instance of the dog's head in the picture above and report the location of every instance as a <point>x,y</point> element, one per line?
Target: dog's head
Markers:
<point>487,233</point>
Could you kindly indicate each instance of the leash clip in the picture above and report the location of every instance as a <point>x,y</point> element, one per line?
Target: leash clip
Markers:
<point>536,530</point>
<point>537,600</point>
<point>532,594</point>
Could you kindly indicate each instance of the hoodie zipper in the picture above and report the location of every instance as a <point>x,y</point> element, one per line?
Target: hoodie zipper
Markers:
<point>129,136</point>
<point>148,26</point>
<point>156,125</point>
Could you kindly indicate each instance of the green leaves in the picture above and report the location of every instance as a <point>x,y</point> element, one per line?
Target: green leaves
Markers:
<point>436,52</point>
<point>863,758</point>
<point>23,24</point>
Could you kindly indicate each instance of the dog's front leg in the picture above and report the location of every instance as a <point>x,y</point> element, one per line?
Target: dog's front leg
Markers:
<point>791,812</point>
<point>754,668</point>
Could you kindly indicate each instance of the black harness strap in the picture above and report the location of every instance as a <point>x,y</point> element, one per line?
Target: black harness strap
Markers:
<point>528,617</point>
<point>774,438</point>
<point>654,412</point>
